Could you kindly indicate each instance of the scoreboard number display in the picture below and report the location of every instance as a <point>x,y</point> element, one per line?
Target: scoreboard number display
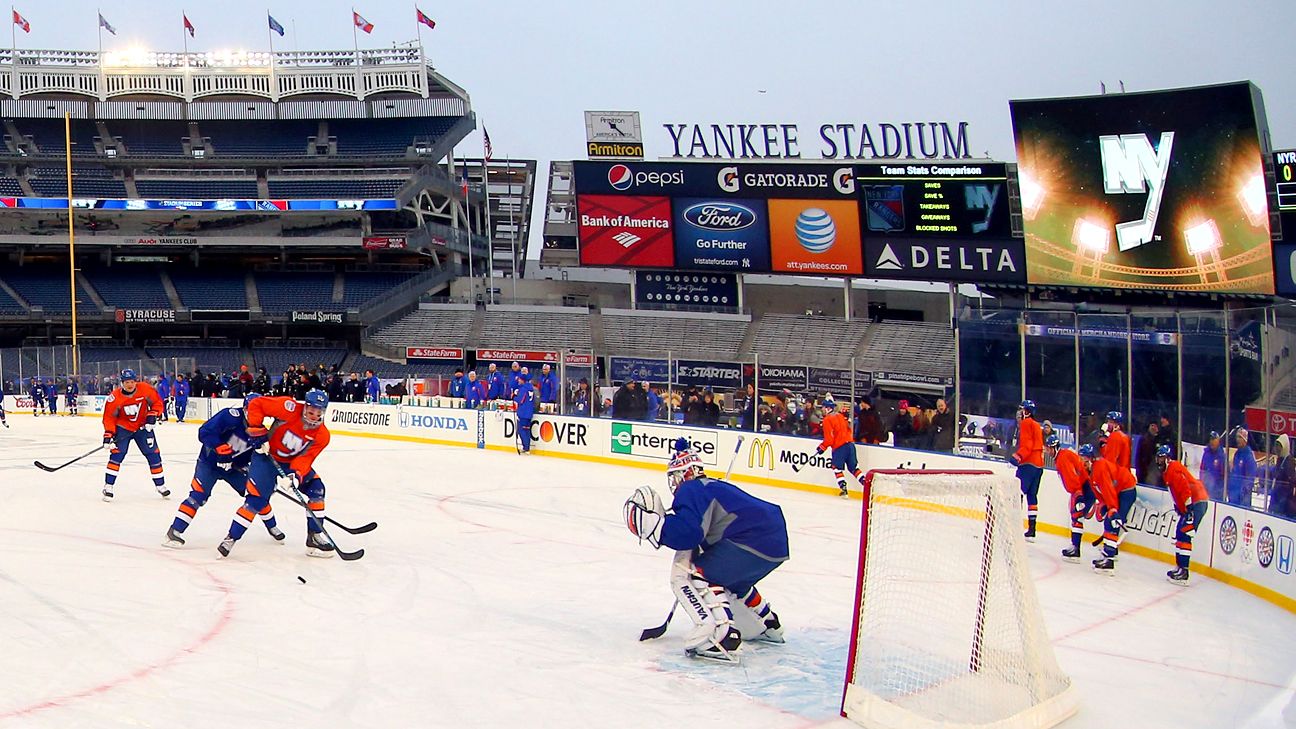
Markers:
<point>1285,179</point>
<point>934,200</point>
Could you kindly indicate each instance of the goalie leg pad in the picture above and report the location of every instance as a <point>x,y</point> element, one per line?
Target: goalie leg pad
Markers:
<point>707,606</point>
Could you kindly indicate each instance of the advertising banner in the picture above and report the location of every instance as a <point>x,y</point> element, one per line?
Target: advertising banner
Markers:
<point>706,373</point>
<point>815,237</point>
<point>660,288</point>
<point>382,242</point>
<point>656,442</point>
<point>446,353</point>
<point>127,316</point>
<point>980,260</point>
<point>622,230</point>
<point>708,179</point>
<point>783,377</point>
<point>318,317</point>
<point>730,235</point>
<point>262,206</point>
<point>508,356</point>
<point>1161,190</point>
<point>964,200</point>
<point>837,382</point>
<point>639,369</point>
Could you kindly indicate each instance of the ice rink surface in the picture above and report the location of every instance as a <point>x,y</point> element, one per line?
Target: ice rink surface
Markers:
<point>500,592</point>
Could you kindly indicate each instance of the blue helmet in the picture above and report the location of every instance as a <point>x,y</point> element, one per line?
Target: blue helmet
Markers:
<point>828,403</point>
<point>1116,417</point>
<point>682,444</point>
<point>1028,406</point>
<point>1214,435</point>
<point>1086,451</point>
<point>1163,450</point>
<point>128,374</point>
<point>1052,441</point>
<point>250,397</point>
<point>315,399</point>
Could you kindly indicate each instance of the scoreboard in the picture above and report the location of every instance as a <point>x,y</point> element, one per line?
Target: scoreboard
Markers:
<point>1285,179</point>
<point>934,200</point>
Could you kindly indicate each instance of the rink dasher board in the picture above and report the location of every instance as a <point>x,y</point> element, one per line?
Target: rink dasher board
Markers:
<point>1249,550</point>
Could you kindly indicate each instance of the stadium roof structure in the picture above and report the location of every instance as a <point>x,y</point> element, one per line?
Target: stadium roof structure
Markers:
<point>401,72</point>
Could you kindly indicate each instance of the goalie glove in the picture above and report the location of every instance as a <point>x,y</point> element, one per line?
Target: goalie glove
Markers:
<point>644,514</point>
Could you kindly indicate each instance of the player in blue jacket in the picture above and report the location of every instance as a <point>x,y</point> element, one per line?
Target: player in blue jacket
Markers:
<point>524,399</point>
<point>514,380</point>
<point>550,388</point>
<point>457,383</point>
<point>51,396</point>
<point>37,393</point>
<point>496,384</point>
<point>372,386</point>
<point>227,447</point>
<point>726,541</point>
<point>181,394</point>
<point>73,391</point>
<point>164,392</point>
<point>474,391</point>
<point>3,422</point>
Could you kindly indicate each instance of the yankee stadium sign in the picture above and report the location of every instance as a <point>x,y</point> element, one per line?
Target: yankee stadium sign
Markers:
<point>902,140</point>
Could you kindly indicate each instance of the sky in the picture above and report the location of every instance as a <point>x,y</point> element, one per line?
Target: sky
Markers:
<point>532,68</point>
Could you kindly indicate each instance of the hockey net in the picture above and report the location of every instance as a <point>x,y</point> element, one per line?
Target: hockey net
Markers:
<point>948,631</point>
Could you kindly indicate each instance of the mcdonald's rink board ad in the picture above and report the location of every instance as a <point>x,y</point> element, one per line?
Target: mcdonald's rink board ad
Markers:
<point>1249,549</point>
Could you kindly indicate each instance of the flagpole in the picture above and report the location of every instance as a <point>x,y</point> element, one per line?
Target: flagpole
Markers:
<point>513,224</point>
<point>13,51</point>
<point>490,229</point>
<point>418,30</point>
<point>184,35</point>
<point>99,25</point>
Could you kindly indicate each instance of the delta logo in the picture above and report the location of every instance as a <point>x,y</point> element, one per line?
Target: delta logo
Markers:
<point>621,178</point>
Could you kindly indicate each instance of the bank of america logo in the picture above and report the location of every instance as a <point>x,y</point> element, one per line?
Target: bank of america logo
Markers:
<point>626,239</point>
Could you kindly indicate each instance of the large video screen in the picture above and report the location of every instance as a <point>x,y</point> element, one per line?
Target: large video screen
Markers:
<point>1162,190</point>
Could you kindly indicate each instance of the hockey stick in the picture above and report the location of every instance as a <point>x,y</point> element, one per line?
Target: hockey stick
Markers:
<point>362,529</point>
<point>660,630</point>
<point>52,469</point>
<point>300,499</point>
<point>729,470</point>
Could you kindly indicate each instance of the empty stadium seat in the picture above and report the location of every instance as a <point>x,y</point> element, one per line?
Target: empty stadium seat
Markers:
<point>199,289</point>
<point>281,292</point>
<point>299,188</point>
<point>428,327</point>
<point>680,334</point>
<point>360,287</point>
<point>819,340</point>
<point>209,189</point>
<point>123,287</point>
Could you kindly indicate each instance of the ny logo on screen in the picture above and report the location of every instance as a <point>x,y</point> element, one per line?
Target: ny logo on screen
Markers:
<point>981,197</point>
<point>1132,165</point>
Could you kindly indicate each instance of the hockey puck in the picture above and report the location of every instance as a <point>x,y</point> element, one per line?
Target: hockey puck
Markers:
<point>301,579</point>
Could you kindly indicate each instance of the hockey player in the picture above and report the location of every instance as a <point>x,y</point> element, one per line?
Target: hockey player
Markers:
<point>1114,488</point>
<point>164,392</point>
<point>372,386</point>
<point>73,391</point>
<point>1075,479</point>
<point>837,436</point>
<point>37,393</point>
<point>3,422</point>
<point>727,541</point>
<point>525,401</point>
<point>51,396</point>
<point>514,379</point>
<point>297,437</point>
<point>129,415</point>
<point>227,446</point>
<point>180,395</point>
<point>1117,447</point>
<point>1190,501</point>
<point>1029,460</point>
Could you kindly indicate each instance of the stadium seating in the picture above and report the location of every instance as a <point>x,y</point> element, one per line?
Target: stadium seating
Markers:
<point>9,187</point>
<point>94,354</point>
<point>277,359</point>
<point>123,287</point>
<point>45,287</point>
<point>384,368</point>
<point>200,289</point>
<point>282,292</point>
<point>385,138</point>
<point>537,330</point>
<point>681,335</point>
<point>925,348</point>
<point>50,139</point>
<point>794,339</point>
<point>150,138</point>
<point>8,305</point>
<point>428,327</point>
<point>360,287</point>
<point>87,180</point>
<point>207,359</point>
<point>286,138</point>
<point>346,188</point>
<point>210,189</point>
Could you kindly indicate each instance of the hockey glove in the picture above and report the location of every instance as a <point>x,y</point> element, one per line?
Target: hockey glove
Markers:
<point>149,422</point>
<point>224,456</point>
<point>108,438</point>
<point>819,451</point>
<point>288,482</point>
<point>1012,460</point>
<point>257,437</point>
<point>644,514</point>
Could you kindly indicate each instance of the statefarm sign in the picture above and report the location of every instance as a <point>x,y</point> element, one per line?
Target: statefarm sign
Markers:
<point>434,353</point>
<point>578,360</point>
<point>516,355</point>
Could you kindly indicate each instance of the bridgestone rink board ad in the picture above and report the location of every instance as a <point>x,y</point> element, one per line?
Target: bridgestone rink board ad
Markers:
<point>1247,549</point>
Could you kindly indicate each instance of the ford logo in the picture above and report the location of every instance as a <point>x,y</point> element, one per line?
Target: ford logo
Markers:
<point>721,216</point>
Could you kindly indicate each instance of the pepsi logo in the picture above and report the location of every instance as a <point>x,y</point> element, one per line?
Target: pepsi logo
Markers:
<point>720,216</point>
<point>815,230</point>
<point>620,177</point>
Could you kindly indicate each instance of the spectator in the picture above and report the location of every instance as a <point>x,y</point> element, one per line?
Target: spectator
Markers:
<point>868,426</point>
<point>262,382</point>
<point>372,386</point>
<point>942,427</point>
<point>1284,472</point>
<point>708,411</point>
<point>352,391</point>
<point>1241,478</point>
<point>550,387</point>
<point>580,399</point>
<point>1167,436</point>
<point>653,411</point>
<point>626,402</point>
<point>458,383</point>
<point>474,391</point>
<point>902,430</point>
<point>764,418</point>
<point>1212,467</point>
<point>213,387</point>
<point>748,419</point>
<point>798,418</point>
<point>333,386</point>
<point>693,410</point>
<point>1145,458</point>
<point>246,380</point>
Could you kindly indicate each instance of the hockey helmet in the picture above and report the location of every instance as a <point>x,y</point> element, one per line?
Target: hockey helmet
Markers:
<point>128,374</point>
<point>316,401</point>
<point>1087,451</point>
<point>1028,406</point>
<point>1053,441</point>
<point>1115,416</point>
<point>249,398</point>
<point>682,467</point>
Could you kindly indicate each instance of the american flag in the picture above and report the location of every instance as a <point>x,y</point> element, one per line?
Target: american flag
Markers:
<point>487,149</point>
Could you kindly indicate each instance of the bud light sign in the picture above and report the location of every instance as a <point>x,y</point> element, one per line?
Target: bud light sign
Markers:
<point>730,235</point>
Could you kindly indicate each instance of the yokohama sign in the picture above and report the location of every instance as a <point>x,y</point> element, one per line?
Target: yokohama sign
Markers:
<point>516,355</point>
<point>434,353</point>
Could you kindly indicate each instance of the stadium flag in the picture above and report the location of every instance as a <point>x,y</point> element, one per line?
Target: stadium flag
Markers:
<point>487,149</point>
<point>424,19</point>
<point>187,25</point>
<point>361,23</point>
<point>21,22</point>
<point>103,23</point>
<point>465,183</point>
<point>275,26</point>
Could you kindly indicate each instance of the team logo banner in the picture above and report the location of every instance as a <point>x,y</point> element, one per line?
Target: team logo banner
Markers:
<point>639,369</point>
<point>1162,190</point>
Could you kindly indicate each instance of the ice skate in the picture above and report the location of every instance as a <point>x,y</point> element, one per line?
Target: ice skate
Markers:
<point>1178,576</point>
<point>225,547</point>
<point>724,651</point>
<point>317,545</point>
<point>277,533</point>
<point>1071,554</point>
<point>1105,566</point>
<point>173,539</point>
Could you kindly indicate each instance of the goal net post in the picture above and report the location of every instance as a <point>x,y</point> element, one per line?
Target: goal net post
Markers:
<point>948,630</point>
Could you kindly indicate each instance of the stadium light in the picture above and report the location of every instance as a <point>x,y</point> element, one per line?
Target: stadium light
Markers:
<point>1254,200</point>
<point>1032,195</point>
<point>1203,238</point>
<point>1091,237</point>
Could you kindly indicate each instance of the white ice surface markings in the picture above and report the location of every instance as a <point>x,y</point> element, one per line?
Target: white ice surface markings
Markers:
<point>503,592</point>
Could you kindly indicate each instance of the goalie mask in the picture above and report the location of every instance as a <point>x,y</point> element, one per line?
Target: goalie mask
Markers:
<point>683,467</point>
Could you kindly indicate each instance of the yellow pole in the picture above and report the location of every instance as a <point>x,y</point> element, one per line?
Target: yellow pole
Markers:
<point>76,355</point>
